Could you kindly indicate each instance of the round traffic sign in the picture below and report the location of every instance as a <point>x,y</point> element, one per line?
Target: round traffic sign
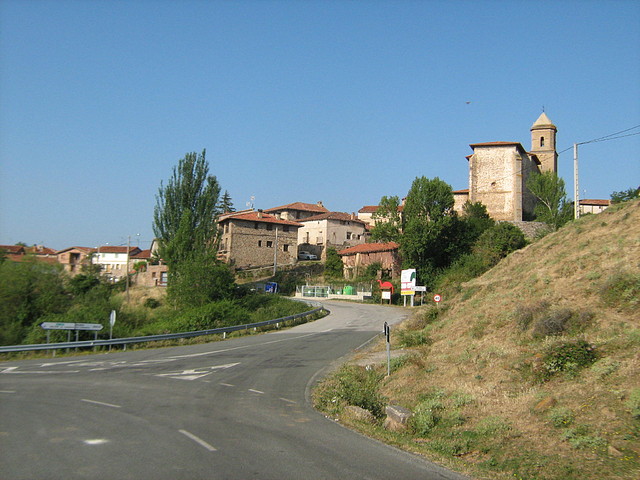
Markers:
<point>437,298</point>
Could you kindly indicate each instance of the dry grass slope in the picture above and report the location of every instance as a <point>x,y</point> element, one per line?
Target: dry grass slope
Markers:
<point>532,371</point>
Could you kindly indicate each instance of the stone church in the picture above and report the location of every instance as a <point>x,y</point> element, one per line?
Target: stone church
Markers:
<point>498,173</point>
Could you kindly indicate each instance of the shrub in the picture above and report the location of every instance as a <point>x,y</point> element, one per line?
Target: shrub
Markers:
<point>525,314</point>
<point>426,416</point>
<point>499,241</point>
<point>359,386</point>
<point>569,356</point>
<point>414,338</point>
<point>634,403</point>
<point>561,417</point>
<point>622,291</point>
<point>152,303</point>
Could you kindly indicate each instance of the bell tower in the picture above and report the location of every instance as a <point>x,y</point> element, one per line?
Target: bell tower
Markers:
<point>543,143</point>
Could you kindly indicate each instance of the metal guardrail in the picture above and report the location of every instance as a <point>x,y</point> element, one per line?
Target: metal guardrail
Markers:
<point>154,338</point>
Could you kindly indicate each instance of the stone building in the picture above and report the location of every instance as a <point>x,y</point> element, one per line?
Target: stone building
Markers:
<point>498,172</point>
<point>356,259</point>
<point>255,239</point>
<point>334,229</point>
<point>73,258</point>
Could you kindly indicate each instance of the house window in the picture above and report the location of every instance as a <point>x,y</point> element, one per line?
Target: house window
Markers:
<point>285,228</point>
<point>259,243</point>
<point>348,235</point>
<point>256,225</point>
<point>269,244</point>
<point>285,248</point>
<point>269,226</point>
<point>542,141</point>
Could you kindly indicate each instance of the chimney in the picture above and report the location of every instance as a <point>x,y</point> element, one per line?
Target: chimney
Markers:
<point>319,204</point>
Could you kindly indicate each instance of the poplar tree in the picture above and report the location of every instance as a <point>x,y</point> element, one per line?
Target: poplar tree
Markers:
<point>185,224</point>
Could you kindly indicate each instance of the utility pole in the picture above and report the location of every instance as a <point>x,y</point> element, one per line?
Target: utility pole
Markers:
<point>127,272</point>
<point>576,188</point>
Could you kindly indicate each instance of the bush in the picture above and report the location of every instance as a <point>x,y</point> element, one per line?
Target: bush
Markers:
<point>426,416</point>
<point>568,357</point>
<point>634,403</point>
<point>352,385</point>
<point>152,303</point>
<point>414,338</point>
<point>622,291</point>
<point>499,241</point>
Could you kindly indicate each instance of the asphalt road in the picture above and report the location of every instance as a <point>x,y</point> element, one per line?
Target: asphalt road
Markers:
<point>236,409</point>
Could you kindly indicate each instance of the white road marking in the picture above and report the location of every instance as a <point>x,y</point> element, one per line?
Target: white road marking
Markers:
<point>8,369</point>
<point>199,441</point>
<point>7,391</point>
<point>255,391</point>
<point>242,347</point>
<point>96,441</point>
<point>194,374</point>
<point>287,400</point>
<point>227,385</point>
<point>101,403</point>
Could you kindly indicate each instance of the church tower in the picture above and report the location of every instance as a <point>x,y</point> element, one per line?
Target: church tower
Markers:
<point>543,143</point>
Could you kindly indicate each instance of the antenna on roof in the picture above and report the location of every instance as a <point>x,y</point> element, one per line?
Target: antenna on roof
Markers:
<point>542,108</point>
<point>251,201</point>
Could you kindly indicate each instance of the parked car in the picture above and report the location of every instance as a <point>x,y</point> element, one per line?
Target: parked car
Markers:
<point>307,256</point>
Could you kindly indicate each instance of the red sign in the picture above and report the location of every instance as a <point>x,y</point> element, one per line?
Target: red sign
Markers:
<point>437,298</point>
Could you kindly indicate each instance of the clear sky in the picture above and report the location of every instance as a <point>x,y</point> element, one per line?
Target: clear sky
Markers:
<point>295,101</point>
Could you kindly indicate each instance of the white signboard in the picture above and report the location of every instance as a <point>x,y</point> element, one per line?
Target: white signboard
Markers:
<point>70,326</point>
<point>386,295</point>
<point>421,288</point>
<point>58,326</point>
<point>408,282</point>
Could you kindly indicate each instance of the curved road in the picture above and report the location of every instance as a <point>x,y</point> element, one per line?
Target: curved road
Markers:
<point>236,409</point>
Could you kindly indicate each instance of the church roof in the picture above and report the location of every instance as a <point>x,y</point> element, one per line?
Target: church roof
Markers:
<point>543,121</point>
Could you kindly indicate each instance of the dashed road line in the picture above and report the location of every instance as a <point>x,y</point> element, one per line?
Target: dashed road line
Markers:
<point>255,391</point>
<point>100,403</point>
<point>287,400</point>
<point>198,440</point>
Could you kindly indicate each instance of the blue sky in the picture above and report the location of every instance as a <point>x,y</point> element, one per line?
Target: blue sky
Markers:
<point>338,101</point>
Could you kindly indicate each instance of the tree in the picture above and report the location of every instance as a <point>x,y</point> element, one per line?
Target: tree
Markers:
<point>552,206</point>
<point>387,221</point>
<point>333,265</point>
<point>625,195</point>
<point>186,228</point>
<point>226,205</point>
<point>499,241</point>
<point>431,236</point>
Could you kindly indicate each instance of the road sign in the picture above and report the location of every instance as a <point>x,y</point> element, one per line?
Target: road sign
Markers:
<point>421,288</point>
<point>58,326</point>
<point>112,318</point>
<point>88,326</point>
<point>437,298</point>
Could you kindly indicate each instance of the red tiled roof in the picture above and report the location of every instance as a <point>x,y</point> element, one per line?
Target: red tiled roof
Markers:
<point>596,202</point>
<point>495,144</point>
<point>142,255</point>
<point>333,216</point>
<point>260,217</point>
<point>370,248</point>
<point>117,249</point>
<point>303,207</point>
<point>83,249</point>
<point>14,249</point>
<point>461,192</point>
<point>40,250</point>
<point>368,209</point>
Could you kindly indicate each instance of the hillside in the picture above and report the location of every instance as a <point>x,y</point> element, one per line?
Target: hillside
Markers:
<point>532,371</point>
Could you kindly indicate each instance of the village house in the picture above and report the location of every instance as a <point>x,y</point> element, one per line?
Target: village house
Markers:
<point>356,259</point>
<point>256,239</point>
<point>297,211</point>
<point>593,206</point>
<point>115,261</point>
<point>332,229</point>
<point>73,258</point>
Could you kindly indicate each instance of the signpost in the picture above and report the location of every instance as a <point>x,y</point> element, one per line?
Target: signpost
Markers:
<point>95,327</point>
<point>387,333</point>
